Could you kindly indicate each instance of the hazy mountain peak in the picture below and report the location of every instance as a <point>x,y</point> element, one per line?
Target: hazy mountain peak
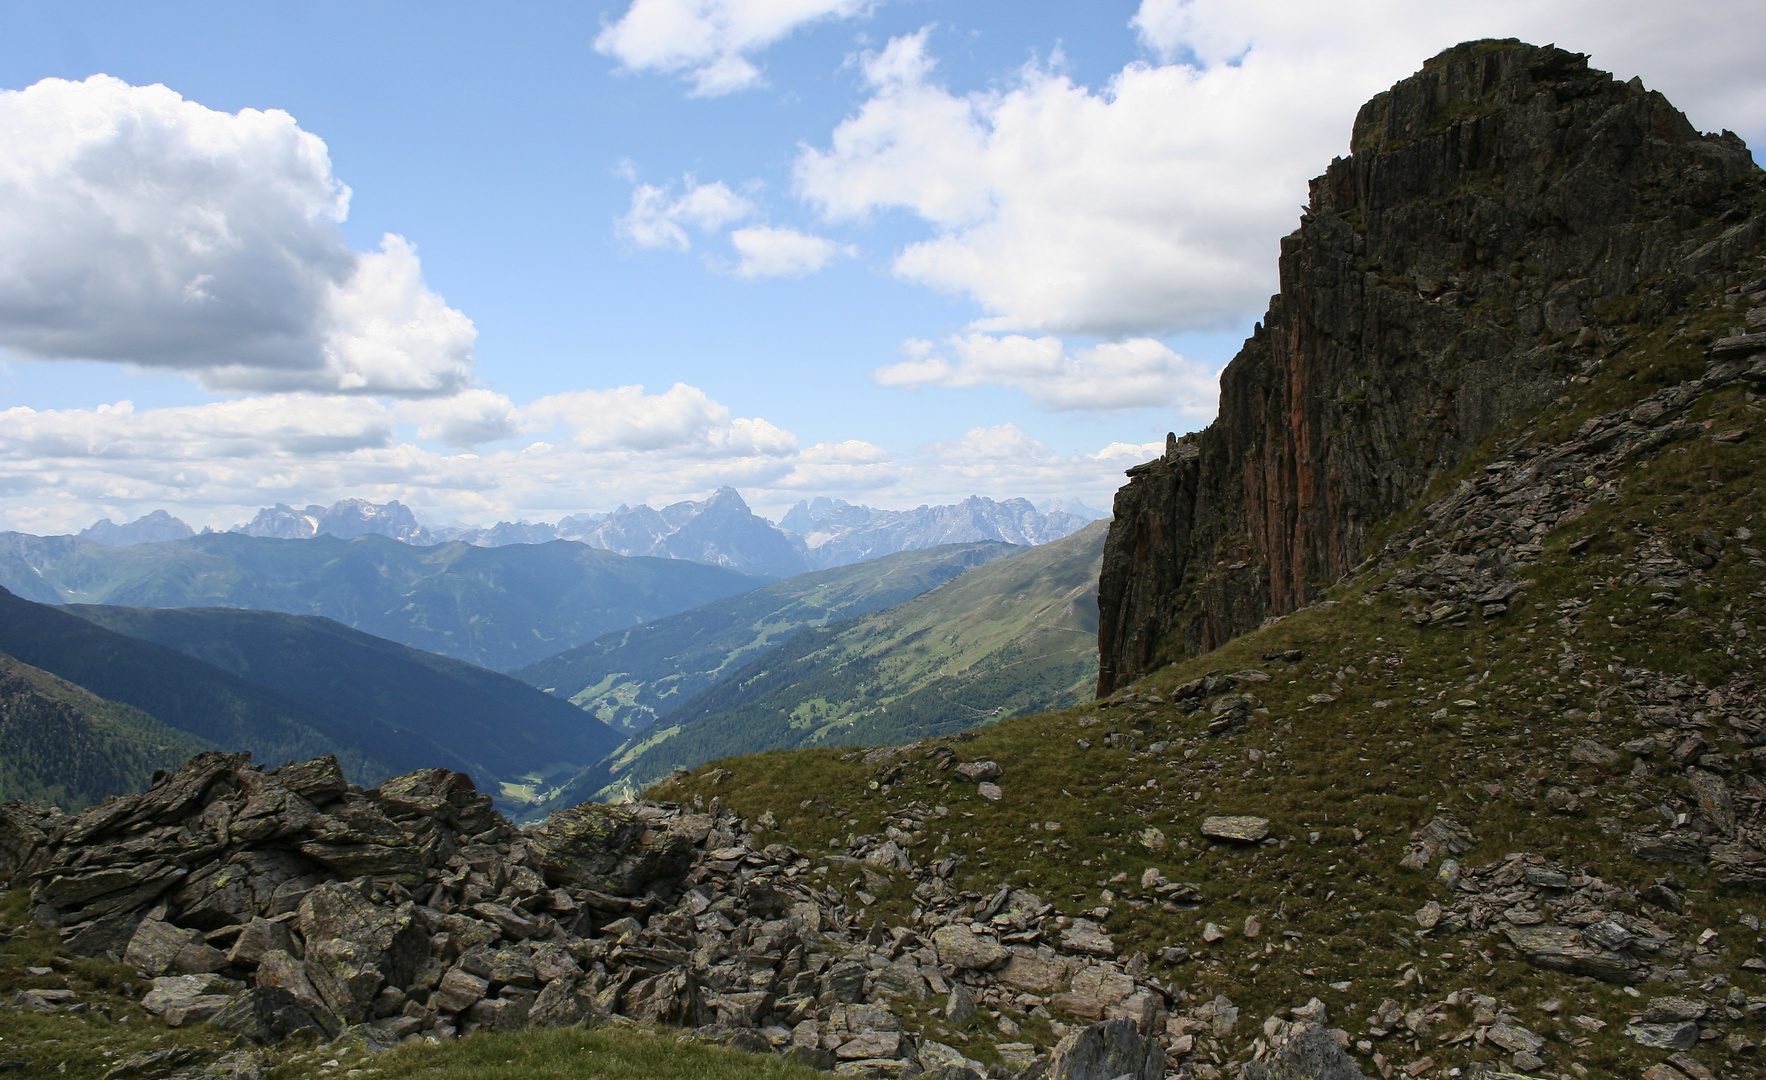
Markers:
<point>344,519</point>
<point>155,528</point>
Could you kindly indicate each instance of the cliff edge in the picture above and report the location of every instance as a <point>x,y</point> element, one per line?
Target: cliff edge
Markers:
<point>1504,215</point>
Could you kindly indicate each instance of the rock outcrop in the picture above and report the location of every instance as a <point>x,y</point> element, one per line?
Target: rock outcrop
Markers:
<point>288,902</point>
<point>1503,211</point>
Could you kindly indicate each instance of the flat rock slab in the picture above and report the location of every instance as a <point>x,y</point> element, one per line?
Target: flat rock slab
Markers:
<point>1240,829</point>
<point>963,949</point>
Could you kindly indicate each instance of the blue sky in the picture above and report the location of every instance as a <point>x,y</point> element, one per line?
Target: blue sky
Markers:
<point>894,252</point>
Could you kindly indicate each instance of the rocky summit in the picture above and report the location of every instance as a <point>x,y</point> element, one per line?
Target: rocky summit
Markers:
<point>1504,212</point>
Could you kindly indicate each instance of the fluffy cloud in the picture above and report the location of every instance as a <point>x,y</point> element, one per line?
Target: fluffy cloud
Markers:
<point>217,463</point>
<point>1154,203</point>
<point>682,419</point>
<point>657,216</point>
<point>1132,374</point>
<point>271,427</point>
<point>136,226</point>
<point>710,41</point>
<point>769,251</point>
<point>466,419</point>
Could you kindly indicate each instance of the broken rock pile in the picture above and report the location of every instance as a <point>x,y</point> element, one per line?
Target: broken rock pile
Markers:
<point>286,902</point>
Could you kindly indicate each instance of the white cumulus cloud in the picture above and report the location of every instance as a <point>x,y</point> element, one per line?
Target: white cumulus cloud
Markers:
<point>1131,374</point>
<point>710,42</point>
<point>466,419</point>
<point>777,251</point>
<point>682,419</point>
<point>136,226</point>
<point>1154,203</point>
<point>658,217</point>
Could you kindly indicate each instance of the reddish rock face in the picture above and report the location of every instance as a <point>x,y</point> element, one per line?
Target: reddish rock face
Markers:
<point>1503,209</point>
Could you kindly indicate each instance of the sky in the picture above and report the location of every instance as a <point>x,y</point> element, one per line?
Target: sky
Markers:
<point>520,261</point>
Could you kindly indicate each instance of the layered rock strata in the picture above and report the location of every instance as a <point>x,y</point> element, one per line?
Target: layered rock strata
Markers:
<point>1502,211</point>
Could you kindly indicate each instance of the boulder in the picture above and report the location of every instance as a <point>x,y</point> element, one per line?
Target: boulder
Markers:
<point>607,848</point>
<point>1312,1053</point>
<point>156,944</point>
<point>345,976</point>
<point>1030,973</point>
<point>1109,1050</point>
<point>277,970</point>
<point>260,936</point>
<point>1086,936</point>
<point>1239,829</point>
<point>965,950</point>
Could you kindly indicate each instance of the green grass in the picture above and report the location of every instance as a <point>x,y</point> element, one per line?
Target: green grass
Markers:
<point>1360,775</point>
<point>1016,636</point>
<point>607,1053</point>
<point>78,1045</point>
<point>83,1046</point>
<point>632,678</point>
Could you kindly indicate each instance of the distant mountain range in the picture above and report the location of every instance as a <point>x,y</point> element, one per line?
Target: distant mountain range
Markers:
<point>632,678</point>
<point>500,608</point>
<point>1016,636</point>
<point>721,530</point>
<point>281,686</point>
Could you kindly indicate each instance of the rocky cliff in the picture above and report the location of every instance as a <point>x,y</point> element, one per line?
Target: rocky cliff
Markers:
<point>1507,217</point>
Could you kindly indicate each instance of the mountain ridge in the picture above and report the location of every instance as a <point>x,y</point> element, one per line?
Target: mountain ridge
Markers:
<point>496,607</point>
<point>1010,637</point>
<point>631,678</point>
<point>403,707</point>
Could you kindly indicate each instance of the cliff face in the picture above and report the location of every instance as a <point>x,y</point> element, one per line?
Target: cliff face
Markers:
<point>1504,211</point>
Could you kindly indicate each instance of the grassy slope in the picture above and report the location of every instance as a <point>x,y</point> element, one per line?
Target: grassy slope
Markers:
<point>1345,780</point>
<point>497,607</point>
<point>631,678</point>
<point>406,708</point>
<point>84,1046</point>
<point>1012,637</point>
<point>70,748</point>
<point>183,693</point>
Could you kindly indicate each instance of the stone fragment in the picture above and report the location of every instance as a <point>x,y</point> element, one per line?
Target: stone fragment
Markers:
<point>1240,829</point>
<point>1714,799</point>
<point>345,976</point>
<point>960,1005</point>
<point>965,950</point>
<point>874,1044</point>
<point>977,771</point>
<point>1109,1050</point>
<point>1312,1053</point>
<point>156,944</point>
<point>1669,1036</point>
<point>1666,1010</point>
<point>1086,936</point>
<point>1590,752</point>
<point>1029,973</point>
<point>989,791</point>
<point>260,936</point>
<point>1514,1038</point>
<point>1678,846</point>
<point>1561,948</point>
<point>458,991</point>
<point>1095,990</point>
<point>1438,834</point>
